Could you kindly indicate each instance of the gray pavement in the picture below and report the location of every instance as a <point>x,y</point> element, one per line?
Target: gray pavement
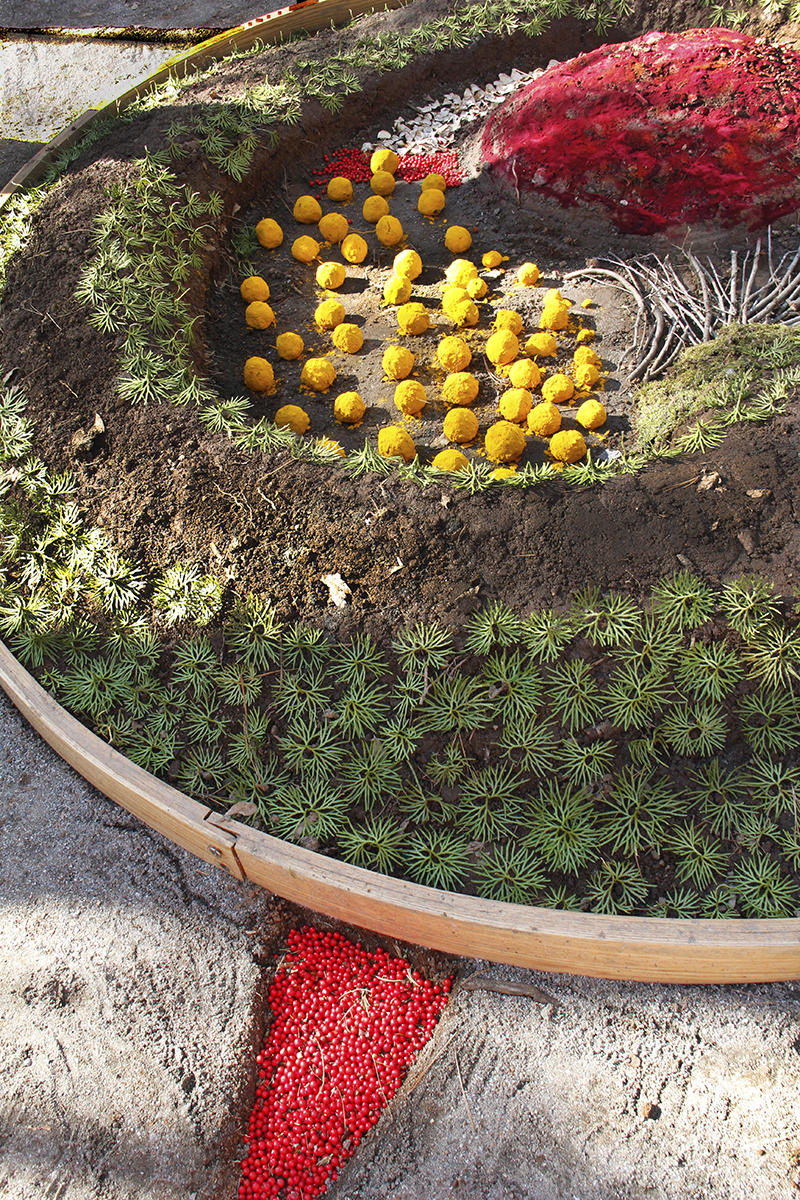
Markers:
<point>125,14</point>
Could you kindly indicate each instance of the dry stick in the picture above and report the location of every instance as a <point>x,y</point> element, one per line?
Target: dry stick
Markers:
<point>751,280</point>
<point>479,983</point>
<point>639,370</point>
<point>662,360</point>
<point>706,301</point>
<point>719,290</point>
<point>734,277</point>
<point>464,1094</point>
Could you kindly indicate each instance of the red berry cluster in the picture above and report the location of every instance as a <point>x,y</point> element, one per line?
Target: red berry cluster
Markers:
<point>347,1025</point>
<point>354,165</point>
<point>442,162</point>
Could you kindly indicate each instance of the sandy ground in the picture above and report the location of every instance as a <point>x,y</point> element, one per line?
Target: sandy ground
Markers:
<point>122,14</point>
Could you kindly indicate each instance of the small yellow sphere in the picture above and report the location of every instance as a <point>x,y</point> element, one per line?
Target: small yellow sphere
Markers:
<point>457,239</point>
<point>460,271</point>
<point>407,264</point>
<point>374,208</point>
<point>389,231</point>
<point>504,442</point>
<point>524,374</point>
<point>396,442</point>
<point>396,291</point>
<point>254,288</point>
<point>515,404</point>
<point>305,249</point>
<point>450,460</point>
<point>585,354</point>
<point>307,210</point>
<point>269,233</point>
<point>460,425</point>
<point>492,259</point>
<point>585,375</point>
<point>528,274</point>
<point>382,183</point>
<point>398,362</point>
<point>460,388</point>
<point>477,289</point>
<point>384,160</point>
<point>410,397</point>
<point>453,353</point>
<point>500,473</point>
<point>413,318</point>
<point>258,375</point>
<point>331,444</point>
<point>349,408</point>
<point>318,374</point>
<point>331,275</point>
<point>289,346</point>
<point>567,446</point>
<point>591,414</point>
<point>541,345</point>
<point>340,189</point>
<point>259,315</point>
<point>334,227</point>
<point>433,181</point>
<point>502,347</point>
<point>558,389</point>
<point>555,311</point>
<point>507,318</point>
<point>457,305</point>
<point>348,338</point>
<point>292,415</point>
<point>544,419</point>
<point>585,335</point>
<point>354,248</point>
<point>329,314</point>
<point>430,202</point>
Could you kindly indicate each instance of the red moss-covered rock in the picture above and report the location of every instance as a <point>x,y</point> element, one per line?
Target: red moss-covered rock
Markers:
<point>664,130</point>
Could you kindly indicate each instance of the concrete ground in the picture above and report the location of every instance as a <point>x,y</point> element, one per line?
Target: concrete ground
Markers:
<point>126,14</point>
<point>130,985</point>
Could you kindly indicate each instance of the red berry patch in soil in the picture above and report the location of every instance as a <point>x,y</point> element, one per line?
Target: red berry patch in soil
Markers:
<point>347,1025</point>
<point>353,164</point>
<point>667,129</point>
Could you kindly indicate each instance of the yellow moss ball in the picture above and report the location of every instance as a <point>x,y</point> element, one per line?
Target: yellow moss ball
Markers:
<point>460,425</point>
<point>334,227</point>
<point>558,389</point>
<point>506,318</point>
<point>397,362</point>
<point>384,160</point>
<point>544,419</point>
<point>457,239</point>
<point>585,375</point>
<point>410,397</point>
<point>340,189</point>
<point>555,311</point>
<point>389,231</point>
<point>294,416</point>
<point>567,446</point>
<point>502,347</point>
<point>394,441</point>
<point>307,210</point>
<point>269,233</point>
<point>541,345</point>
<point>374,208</point>
<point>413,318</point>
<point>477,289</point>
<point>585,354</point>
<point>492,259</point>
<point>591,414</point>
<point>524,374</point>
<point>460,388</point>
<point>348,338</point>
<point>450,460</point>
<point>515,404</point>
<point>433,181</point>
<point>254,288</point>
<point>504,442</point>
<point>430,202</point>
<point>329,314</point>
<point>331,444</point>
<point>396,291</point>
<point>258,375</point>
<point>528,274</point>
<point>349,408</point>
<point>382,183</point>
<point>331,275</point>
<point>453,353</point>
<point>354,248</point>
<point>460,271</point>
<point>289,346</point>
<point>318,374</point>
<point>585,335</point>
<point>407,264</point>
<point>305,249</point>
<point>259,315</point>
<point>457,305</point>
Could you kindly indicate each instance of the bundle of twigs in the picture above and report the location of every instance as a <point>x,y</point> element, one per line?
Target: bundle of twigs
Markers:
<point>677,309</point>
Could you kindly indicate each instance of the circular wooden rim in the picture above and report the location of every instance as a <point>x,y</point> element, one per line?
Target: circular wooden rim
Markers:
<point>637,948</point>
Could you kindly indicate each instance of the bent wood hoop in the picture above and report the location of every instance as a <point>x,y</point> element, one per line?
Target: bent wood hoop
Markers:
<point>642,948</point>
